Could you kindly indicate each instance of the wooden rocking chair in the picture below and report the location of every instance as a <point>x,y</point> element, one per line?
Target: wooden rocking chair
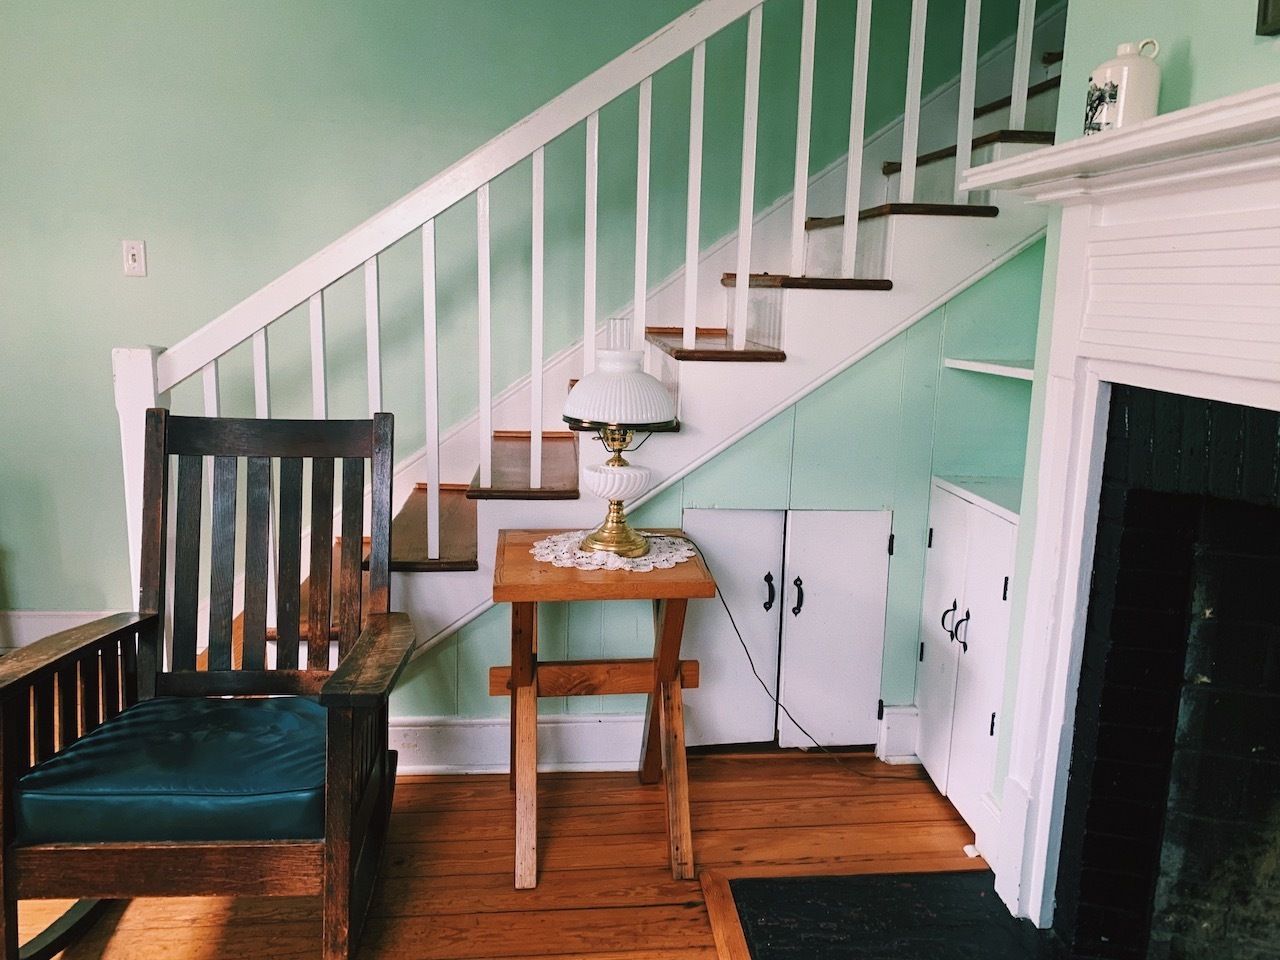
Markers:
<point>122,778</point>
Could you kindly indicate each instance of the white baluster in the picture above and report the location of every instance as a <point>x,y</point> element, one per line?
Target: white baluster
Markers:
<point>693,218</point>
<point>1022,64</point>
<point>535,334</point>
<point>911,113</point>
<point>210,389</point>
<point>857,131</point>
<point>431,368</point>
<point>319,396</point>
<point>968,86</point>
<point>485,336</point>
<point>746,201</point>
<point>372,336</point>
<point>261,376</point>
<point>589,252</point>
<point>804,112</point>
<point>644,124</point>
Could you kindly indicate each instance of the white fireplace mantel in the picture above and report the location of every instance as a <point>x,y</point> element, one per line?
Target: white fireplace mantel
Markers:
<point>1168,278</point>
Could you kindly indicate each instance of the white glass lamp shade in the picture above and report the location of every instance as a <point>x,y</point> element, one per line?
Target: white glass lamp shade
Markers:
<point>619,393</point>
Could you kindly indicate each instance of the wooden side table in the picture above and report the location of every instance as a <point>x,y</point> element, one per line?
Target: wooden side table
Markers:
<point>524,582</point>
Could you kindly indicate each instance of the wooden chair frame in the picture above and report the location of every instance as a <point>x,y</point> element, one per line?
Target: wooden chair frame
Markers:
<point>64,686</point>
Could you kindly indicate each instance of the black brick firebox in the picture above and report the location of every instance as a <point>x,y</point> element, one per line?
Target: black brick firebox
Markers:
<point>1171,838</point>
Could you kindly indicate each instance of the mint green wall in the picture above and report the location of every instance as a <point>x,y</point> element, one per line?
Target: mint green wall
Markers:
<point>1208,50</point>
<point>239,137</point>
<point>869,439</point>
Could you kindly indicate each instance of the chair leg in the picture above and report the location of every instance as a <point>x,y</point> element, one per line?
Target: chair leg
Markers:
<point>9,929</point>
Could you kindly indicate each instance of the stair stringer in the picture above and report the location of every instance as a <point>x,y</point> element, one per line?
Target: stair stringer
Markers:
<point>826,331</point>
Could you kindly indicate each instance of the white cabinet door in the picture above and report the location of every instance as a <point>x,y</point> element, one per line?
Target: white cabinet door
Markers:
<point>837,575</point>
<point>743,549</point>
<point>982,638</point>
<point>936,671</point>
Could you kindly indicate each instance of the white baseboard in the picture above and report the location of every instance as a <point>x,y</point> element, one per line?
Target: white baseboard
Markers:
<point>482,744</point>
<point>1009,855</point>
<point>21,627</point>
<point>899,728</point>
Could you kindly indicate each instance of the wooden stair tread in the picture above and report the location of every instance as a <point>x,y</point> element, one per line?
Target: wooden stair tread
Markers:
<point>1034,90</point>
<point>510,480</point>
<point>458,538</point>
<point>908,209</point>
<point>712,344</point>
<point>782,281</point>
<point>1044,137</point>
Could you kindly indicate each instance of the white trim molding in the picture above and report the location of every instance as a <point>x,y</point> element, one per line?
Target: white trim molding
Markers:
<point>483,744</point>
<point>899,734</point>
<point>1168,278</point>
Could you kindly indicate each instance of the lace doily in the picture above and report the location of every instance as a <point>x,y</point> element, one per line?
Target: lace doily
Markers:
<point>561,550</point>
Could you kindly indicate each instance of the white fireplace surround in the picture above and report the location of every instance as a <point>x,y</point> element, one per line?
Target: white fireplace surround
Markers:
<point>1168,278</point>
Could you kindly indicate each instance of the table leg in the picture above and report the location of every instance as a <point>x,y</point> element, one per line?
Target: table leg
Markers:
<point>524,654</point>
<point>524,740</point>
<point>668,626</point>
<point>676,776</point>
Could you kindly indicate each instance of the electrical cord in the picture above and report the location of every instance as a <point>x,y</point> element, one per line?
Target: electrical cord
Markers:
<point>764,686</point>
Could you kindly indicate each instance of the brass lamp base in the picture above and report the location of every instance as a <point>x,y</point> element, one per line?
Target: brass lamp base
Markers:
<point>615,535</point>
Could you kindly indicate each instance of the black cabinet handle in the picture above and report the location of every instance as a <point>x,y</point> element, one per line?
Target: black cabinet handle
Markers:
<point>799,585</point>
<point>955,632</point>
<point>949,612</point>
<point>768,579</point>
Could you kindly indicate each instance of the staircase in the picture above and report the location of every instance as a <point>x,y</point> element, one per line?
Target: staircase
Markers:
<point>899,240</point>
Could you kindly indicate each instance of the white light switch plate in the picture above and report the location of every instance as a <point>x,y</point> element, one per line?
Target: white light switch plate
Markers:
<point>135,257</point>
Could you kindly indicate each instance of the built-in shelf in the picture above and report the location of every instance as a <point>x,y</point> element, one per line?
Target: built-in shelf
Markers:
<point>1002,494</point>
<point>1013,369</point>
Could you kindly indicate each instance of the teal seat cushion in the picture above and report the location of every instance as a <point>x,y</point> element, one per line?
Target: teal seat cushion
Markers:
<point>184,769</point>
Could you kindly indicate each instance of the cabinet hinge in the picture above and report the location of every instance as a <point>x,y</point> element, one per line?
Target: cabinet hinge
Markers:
<point>1005,595</point>
<point>922,653</point>
<point>880,711</point>
<point>891,544</point>
<point>930,543</point>
<point>992,731</point>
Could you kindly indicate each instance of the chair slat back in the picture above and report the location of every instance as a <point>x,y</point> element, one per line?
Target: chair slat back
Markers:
<point>336,601</point>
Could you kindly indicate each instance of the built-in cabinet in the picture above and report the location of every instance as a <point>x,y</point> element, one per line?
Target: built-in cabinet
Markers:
<point>964,634</point>
<point>807,590</point>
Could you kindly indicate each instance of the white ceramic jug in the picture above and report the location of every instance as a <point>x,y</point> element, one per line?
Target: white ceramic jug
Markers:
<point>1125,89</point>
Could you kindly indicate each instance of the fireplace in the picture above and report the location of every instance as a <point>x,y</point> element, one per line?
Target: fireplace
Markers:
<point>1171,829</point>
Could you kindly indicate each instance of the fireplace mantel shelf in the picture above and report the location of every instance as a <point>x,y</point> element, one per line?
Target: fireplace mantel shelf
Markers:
<point>1240,134</point>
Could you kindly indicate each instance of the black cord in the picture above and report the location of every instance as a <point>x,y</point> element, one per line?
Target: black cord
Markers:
<point>764,686</point>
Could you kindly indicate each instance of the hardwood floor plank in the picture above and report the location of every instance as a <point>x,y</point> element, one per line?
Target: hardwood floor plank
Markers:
<point>605,890</point>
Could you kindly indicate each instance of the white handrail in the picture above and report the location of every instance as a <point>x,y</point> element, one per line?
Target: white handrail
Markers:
<point>445,189</point>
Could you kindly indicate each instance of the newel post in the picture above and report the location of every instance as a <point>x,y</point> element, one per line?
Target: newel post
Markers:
<point>133,373</point>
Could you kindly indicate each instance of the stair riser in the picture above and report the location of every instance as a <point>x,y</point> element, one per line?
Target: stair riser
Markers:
<point>1042,114</point>
<point>935,182</point>
<point>823,250</point>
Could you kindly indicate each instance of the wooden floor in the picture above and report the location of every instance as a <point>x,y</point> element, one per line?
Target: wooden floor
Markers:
<point>605,891</point>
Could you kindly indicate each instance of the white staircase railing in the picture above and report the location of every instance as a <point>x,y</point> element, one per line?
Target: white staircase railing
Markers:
<point>145,376</point>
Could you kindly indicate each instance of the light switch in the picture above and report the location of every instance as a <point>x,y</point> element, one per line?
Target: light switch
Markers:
<point>135,258</point>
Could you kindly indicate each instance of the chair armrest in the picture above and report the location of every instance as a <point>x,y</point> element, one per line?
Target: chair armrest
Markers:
<point>372,666</point>
<point>58,649</point>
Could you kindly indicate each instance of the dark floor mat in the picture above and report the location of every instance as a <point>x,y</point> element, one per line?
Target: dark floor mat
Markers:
<point>923,916</point>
